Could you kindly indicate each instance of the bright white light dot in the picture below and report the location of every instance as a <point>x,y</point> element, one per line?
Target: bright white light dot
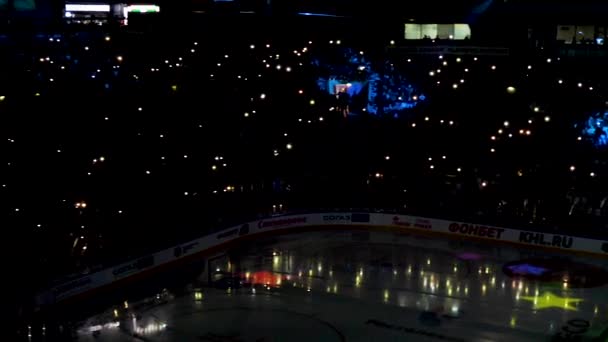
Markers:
<point>86,48</point>
<point>185,193</point>
<point>288,69</point>
<point>252,46</point>
<point>506,123</point>
<point>458,60</point>
<point>529,67</point>
<point>289,146</point>
<point>321,118</point>
<point>458,169</point>
<point>392,42</point>
<point>580,85</point>
<point>262,96</point>
<point>511,90</point>
<point>432,167</point>
<point>592,174</point>
<point>572,168</point>
<point>455,85</point>
<point>484,184</point>
<point>426,118</point>
<point>246,115</point>
<point>185,156</point>
<point>387,157</point>
<point>548,60</point>
<point>493,67</point>
<point>140,109</point>
<point>147,172</point>
<point>492,150</point>
<point>547,118</point>
<point>17,209</point>
<point>431,73</point>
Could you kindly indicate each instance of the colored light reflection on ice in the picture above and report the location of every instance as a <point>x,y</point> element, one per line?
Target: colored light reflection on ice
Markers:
<point>549,300</point>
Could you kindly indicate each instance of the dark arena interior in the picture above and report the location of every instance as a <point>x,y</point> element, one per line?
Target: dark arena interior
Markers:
<point>289,170</point>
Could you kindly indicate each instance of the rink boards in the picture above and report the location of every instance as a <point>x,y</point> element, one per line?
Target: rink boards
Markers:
<point>185,252</point>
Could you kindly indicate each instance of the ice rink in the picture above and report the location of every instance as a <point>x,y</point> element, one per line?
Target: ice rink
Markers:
<point>363,286</point>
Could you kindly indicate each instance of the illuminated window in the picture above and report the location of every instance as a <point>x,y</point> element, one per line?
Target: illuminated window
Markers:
<point>437,31</point>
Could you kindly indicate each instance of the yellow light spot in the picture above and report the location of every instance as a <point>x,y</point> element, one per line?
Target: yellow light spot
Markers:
<point>549,300</point>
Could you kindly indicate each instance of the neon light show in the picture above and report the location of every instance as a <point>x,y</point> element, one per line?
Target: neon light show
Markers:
<point>595,129</point>
<point>363,85</point>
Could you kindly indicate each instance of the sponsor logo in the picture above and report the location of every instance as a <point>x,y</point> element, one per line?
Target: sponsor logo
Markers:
<point>397,222</point>
<point>540,239</point>
<point>336,218</point>
<point>181,250</point>
<point>142,263</point>
<point>228,233</point>
<point>360,218</point>
<point>476,230</point>
<point>72,285</point>
<point>281,222</point>
<point>423,224</point>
